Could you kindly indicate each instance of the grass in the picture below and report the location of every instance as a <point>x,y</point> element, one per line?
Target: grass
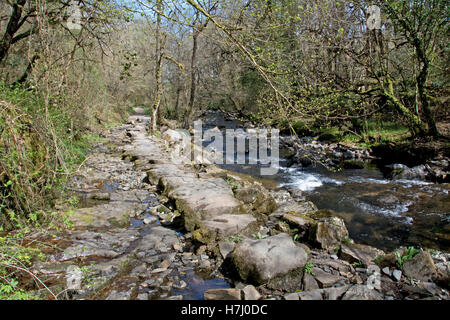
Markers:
<point>373,133</point>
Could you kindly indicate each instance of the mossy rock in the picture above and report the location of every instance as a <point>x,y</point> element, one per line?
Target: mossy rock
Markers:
<point>321,214</point>
<point>204,236</point>
<point>354,164</point>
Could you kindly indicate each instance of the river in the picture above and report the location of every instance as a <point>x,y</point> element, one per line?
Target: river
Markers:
<point>379,212</point>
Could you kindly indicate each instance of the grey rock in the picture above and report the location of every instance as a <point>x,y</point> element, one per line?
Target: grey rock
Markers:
<point>309,283</point>
<point>359,252</point>
<point>142,296</point>
<point>105,244</point>
<point>311,295</point>
<point>325,279</point>
<point>160,239</point>
<point>397,274</point>
<point>386,271</point>
<point>117,295</point>
<point>250,293</point>
<point>223,226</point>
<point>335,293</point>
<point>329,233</point>
<point>100,196</point>
<point>179,297</point>
<point>222,294</point>
<point>421,267</point>
<point>292,296</point>
<point>401,171</point>
<point>74,276</point>
<point>266,259</point>
<point>362,292</point>
<point>150,220</point>
<point>226,248</point>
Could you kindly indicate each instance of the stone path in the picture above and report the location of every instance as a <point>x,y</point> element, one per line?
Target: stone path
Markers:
<point>126,245</point>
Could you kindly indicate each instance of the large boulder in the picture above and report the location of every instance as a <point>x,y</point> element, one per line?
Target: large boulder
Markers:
<point>175,136</point>
<point>276,261</point>
<point>401,171</point>
<point>421,267</point>
<point>329,232</point>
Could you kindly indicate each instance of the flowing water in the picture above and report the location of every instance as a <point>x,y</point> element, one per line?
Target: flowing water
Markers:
<point>377,211</point>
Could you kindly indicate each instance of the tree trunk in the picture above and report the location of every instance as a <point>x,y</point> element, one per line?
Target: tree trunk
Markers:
<point>158,93</point>
<point>417,124</point>
<point>158,70</point>
<point>190,106</point>
<point>12,27</point>
<point>27,71</point>
<point>177,102</point>
<point>424,101</point>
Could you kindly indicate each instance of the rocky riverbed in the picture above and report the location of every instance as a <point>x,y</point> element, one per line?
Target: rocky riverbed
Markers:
<point>152,227</point>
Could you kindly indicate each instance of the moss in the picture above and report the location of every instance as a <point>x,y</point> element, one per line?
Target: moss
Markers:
<point>205,236</point>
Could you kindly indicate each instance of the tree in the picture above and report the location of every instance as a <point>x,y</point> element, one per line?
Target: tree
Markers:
<point>420,23</point>
<point>197,28</point>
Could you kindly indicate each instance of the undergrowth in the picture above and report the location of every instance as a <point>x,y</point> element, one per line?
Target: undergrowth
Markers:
<point>40,146</point>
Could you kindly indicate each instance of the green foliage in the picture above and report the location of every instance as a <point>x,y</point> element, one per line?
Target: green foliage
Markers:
<point>235,239</point>
<point>347,240</point>
<point>308,268</point>
<point>232,183</point>
<point>410,253</point>
<point>40,147</point>
<point>15,260</point>
<point>259,236</point>
<point>378,258</point>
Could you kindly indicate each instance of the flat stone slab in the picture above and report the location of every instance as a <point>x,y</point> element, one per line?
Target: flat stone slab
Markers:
<point>223,294</point>
<point>362,292</point>
<point>199,199</point>
<point>359,252</point>
<point>99,244</point>
<point>325,279</point>
<point>229,224</point>
<point>160,239</point>
<point>106,215</point>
